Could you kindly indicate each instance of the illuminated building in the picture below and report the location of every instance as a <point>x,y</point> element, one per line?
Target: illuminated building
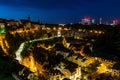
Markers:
<point>93,21</point>
<point>3,42</point>
<point>59,33</point>
<point>86,21</point>
<point>100,22</point>
<point>115,22</point>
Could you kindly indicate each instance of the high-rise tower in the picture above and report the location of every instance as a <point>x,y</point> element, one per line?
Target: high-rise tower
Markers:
<point>93,21</point>
<point>100,21</point>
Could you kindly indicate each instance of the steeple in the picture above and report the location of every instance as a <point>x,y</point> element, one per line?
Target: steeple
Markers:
<point>29,18</point>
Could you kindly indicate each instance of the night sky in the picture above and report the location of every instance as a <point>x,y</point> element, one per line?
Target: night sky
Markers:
<point>60,11</point>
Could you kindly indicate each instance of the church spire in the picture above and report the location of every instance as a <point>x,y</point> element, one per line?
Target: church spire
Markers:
<point>29,18</point>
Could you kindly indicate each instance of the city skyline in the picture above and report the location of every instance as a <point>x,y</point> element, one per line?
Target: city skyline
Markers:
<point>52,11</point>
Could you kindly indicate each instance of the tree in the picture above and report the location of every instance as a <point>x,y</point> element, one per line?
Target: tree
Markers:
<point>108,43</point>
<point>66,79</point>
<point>116,66</point>
<point>93,66</point>
<point>41,77</point>
<point>104,76</point>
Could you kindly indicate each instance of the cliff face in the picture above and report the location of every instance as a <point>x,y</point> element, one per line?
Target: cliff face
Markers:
<point>33,65</point>
<point>4,44</point>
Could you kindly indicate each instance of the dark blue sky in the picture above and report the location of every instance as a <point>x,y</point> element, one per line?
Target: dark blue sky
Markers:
<point>60,11</point>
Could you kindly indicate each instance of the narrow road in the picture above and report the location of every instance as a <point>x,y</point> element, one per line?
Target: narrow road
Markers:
<point>21,47</point>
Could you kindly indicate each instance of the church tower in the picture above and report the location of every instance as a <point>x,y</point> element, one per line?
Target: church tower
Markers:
<point>29,18</point>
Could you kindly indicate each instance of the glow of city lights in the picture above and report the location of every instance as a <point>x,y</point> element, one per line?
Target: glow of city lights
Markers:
<point>86,18</point>
<point>115,21</point>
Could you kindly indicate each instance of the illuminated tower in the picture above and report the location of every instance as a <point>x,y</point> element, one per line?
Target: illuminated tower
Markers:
<point>3,43</point>
<point>93,21</point>
<point>58,33</point>
<point>100,20</point>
